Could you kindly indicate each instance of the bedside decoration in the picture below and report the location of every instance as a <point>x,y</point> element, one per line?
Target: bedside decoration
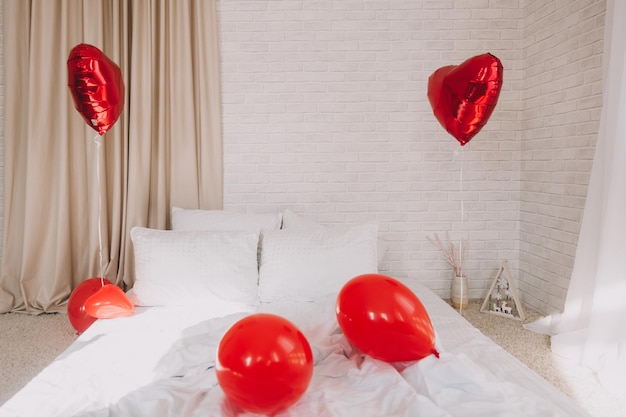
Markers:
<point>459,289</point>
<point>459,292</point>
<point>502,299</point>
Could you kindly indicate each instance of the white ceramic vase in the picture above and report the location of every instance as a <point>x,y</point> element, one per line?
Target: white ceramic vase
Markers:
<point>460,291</point>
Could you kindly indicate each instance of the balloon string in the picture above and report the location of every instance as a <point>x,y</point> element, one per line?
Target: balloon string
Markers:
<point>98,141</point>
<point>462,228</point>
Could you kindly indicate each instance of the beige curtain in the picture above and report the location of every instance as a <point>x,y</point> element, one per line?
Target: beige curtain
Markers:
<point>71,196</point>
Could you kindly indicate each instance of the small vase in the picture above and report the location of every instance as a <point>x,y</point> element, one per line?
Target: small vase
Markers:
<point>460,292</point>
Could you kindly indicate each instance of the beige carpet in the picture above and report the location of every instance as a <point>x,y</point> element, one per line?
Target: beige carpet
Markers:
<point>533,349</point>
<point>29,343</point>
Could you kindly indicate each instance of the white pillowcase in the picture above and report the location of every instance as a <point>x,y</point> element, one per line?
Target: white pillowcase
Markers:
<point>295,221</point>
<point>187,267</point>
<point>195,219</point>
<point>306,265</point>
<point>291,220</point>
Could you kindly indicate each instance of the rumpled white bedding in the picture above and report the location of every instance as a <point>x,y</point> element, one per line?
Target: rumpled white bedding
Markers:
<point>145,366</point>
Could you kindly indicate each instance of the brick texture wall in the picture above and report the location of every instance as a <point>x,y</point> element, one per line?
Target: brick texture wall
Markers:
<point>325,112</point>
<point>562,98</point>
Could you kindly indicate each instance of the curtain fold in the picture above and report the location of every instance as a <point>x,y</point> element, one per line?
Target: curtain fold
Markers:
<point>71,197</point>
<point>175,124</point>
<point>590,330</point>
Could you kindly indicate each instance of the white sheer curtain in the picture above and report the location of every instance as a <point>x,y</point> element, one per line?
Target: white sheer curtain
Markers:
<point>591,329</point>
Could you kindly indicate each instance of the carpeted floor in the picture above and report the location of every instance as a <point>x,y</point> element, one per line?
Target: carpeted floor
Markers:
<point>533,349</point>
<point>28,343</point>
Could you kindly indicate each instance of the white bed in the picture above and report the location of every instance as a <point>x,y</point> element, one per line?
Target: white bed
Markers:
<point>161,361</point>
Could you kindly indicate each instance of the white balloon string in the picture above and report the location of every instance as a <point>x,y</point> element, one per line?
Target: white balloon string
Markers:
<point>460,153</point>
<point>98,141</point>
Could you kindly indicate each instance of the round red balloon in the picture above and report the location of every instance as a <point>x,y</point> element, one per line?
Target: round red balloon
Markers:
<point>96,85</point>
<point>384,319</point>
<point>464,96</point>
<point>76,311</point>
<point>264,364</point>
<point>109,302</point>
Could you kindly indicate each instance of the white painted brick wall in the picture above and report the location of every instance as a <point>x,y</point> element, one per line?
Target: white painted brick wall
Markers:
<point>325,112</point>
<point>562,104</point>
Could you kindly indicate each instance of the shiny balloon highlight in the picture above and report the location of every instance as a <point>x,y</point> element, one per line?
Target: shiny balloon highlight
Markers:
<point>264,364</point>
<point>109,302</point>
<point>384,319</point>
<point>464,96</point>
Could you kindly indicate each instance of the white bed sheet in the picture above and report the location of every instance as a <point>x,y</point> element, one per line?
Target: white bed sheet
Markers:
<point>160,363</point>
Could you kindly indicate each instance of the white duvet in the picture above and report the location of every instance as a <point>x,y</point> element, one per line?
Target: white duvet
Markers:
<point>161,363</point>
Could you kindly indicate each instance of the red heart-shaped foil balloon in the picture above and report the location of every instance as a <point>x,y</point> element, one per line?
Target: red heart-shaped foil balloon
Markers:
<point>96,86</point>
<point>464,96</point>
<point>109,302</point>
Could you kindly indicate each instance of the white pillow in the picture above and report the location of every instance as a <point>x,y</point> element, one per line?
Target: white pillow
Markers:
<point>194,219</point>
<point>295,221</point>
<point>183,267</point>
<point>305,265</point>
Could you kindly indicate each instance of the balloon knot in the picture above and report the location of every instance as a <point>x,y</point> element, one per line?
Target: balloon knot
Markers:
<point>436,353</point>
